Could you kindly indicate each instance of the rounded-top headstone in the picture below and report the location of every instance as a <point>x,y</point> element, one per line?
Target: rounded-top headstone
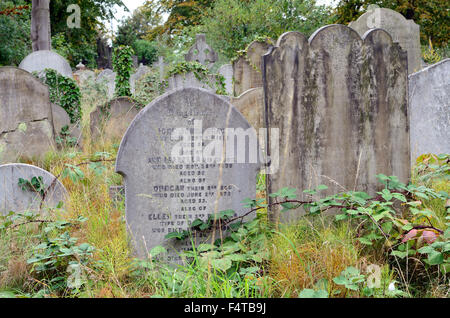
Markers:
<point>14,198</point>
<point>165,195</point>
<point>40,60</point>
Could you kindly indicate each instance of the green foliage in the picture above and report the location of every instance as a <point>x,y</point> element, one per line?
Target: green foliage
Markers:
<point>148,87</point>
<point>201,72</point>
<point>146,51</point>
<point>64,92</point>
<point>36,184</point>
<point>15,41</point>
<point>65,139</point>
<point>123,66</point>
<point>232,24</point>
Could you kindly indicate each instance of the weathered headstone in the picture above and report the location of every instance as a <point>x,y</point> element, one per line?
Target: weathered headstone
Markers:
<point>429,107</point>
<point>141,71</point>
<point>108,77</point>
<point>26,124</point>
<point>161,66</point>
<point>247,68</point>
<point>62,119</point>
<point>14,198</point>
<point>112,120</point>
<point>340,103</point>
<point>83,74</point>
<point>227,72</point>
<point>201,52</point>
<point>251,105</point>
<point>163,194</point>
<point>183,80</point>
<point>40,60</point>
<point>403,31</point>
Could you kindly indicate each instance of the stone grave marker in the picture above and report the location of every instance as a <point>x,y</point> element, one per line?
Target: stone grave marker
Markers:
<point>112,120</point>
<point>183,80</point>
<point>429,106</point>
<point>164,194</point>
<point>201,52</point>
<point>227,72</point>
<point>141,71</point>
<point>40,60</point>
<point>26,123</point>
<point>251,105</point>
<point>340,103</point>
<point>83,74</point>
<point>108,77</point>
<point>61,119</point>
<point>14,198</point>
<point>247,68</point>
<point>403,31</point>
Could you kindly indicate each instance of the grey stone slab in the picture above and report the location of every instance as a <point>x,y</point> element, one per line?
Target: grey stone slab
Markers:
<point>403,31</point>
<point>108,77</point>
<point>163,194</point>
<point>429,107</point>
<point>247,68</point>
<point>40,60</point>
<point>61,119</point>
<point>227,72</point>
<point>140,72</point>
<point>26,123</point>
<point>112,120</point>
<point>201,52</point>
<point>13,198</point>
<point>178,81</point>
<point>251,105</point>
<point>340,104</point>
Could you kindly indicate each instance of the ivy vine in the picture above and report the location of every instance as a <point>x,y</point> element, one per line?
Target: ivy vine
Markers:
<point>123,65</point>
<point>64,92</point>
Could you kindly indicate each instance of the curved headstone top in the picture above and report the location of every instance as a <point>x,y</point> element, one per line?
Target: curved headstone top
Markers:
<point>40,60</point>
<point>429,106</point>
<point>14,198</point>
<point>403,31</point>
<point>164,194</point>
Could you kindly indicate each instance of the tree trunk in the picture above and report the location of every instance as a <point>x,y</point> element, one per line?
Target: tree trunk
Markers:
<point>40,25</point>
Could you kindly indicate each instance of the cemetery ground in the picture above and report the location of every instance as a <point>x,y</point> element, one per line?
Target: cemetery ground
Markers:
<point>315,256</point>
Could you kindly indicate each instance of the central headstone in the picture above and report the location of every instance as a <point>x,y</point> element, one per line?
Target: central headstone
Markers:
<point>164,193</point>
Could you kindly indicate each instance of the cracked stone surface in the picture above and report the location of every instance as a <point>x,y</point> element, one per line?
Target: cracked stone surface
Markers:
<point>26,126</point>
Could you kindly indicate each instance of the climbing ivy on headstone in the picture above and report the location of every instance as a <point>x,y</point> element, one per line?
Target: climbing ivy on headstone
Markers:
<point>123,65</point>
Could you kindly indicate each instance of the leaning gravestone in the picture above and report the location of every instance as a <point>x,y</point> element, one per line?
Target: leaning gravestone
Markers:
<point>227,72</point>
<point>112,120</point>
<point>340,104</point>
<point>14,198</point>
<point>26,124</point>
<point>403,31</point>
<point>108,77</point>
<point>40,60</point>
<point>201,52</point>
<point>247,68</point>
<point>165,194</point>
<point>429,106</point>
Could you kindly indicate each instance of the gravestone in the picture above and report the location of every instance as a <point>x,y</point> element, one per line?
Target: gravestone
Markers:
<point>61,119</point>
<point>14,198</point>
<point>403,31</point>
<point>251,105</point>
<point>183,80</point>
<point>83,74</point>
<point>161,66</point>
<point>164,194</point>
<point>227,72</point>
<point>40,60</point>
<point>201,52</point>
<point>108,77</point>
<point>141,71</point>
<point>429,106</point>
<point>340,103</point>
<point>26,124</point>
<point>112,120</point>
<point>247,68</point>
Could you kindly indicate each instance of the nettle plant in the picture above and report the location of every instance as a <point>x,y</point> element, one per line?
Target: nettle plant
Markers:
<point>64,92</point>
<point>395,220</point>
<point>202,73</point>
<point>123,65</point>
